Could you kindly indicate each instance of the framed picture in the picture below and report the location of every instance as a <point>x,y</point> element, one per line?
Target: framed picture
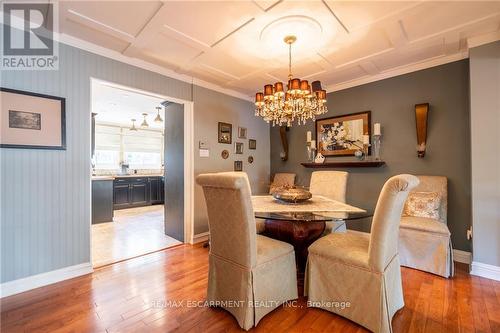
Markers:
<point>238,147</point>
<point>342,135</point>
<point>242,132</point>
<point>252,144</point>
<point>238,165</point>
<point>32,121</point>
<point>225,133</point>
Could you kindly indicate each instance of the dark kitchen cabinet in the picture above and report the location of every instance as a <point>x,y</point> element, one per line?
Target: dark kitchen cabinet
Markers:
<point>121,193</point>
<point>157,190</point>
<point>137,191</point>
<point>102,200</point>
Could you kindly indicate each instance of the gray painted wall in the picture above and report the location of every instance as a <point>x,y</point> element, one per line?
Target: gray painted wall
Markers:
<point>45,195</point>
<point>213,110</point>
<point>392,104</point>
<point>485,142</point>
<point>174,171</point>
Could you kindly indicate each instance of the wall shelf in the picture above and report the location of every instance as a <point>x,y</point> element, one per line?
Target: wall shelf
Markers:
<point>345,164</point>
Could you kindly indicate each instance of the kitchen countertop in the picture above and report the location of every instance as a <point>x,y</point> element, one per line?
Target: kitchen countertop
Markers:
<point>124,176</point>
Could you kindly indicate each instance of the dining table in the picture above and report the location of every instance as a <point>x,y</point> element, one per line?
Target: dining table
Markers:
<point>300,224</point>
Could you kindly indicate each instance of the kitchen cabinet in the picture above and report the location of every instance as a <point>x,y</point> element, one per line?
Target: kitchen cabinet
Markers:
<point>138,191</point>
<point>156,189</point>
<point>102,200</point>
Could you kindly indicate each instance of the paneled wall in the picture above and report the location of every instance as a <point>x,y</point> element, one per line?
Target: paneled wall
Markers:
<point>392,102</point>
<point>485,143</point>
<point>45,195</point>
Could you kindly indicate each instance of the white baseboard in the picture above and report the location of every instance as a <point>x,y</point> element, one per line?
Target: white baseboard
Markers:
<point>202,237</point>
<point>485,270</point>
<point>464,257</point>
<point>36,281</point>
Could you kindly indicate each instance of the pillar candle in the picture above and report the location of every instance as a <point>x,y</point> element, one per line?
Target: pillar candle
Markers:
<point>376,129</point>
<point>313,143</point>
<point>309,136</point>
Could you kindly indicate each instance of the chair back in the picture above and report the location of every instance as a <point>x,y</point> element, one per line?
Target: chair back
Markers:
<point>330,184</point>
<point>437,184</point>
<point>231,219</point>
<point>384,234</point>
<point>282,179</point>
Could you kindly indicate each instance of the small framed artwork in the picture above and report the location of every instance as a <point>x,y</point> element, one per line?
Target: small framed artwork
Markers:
<point>32,121</point>
<point>342,135</point>
<point>225,134</point>
<point>238,165</point>
<point>238,147</point>
<point>252,144</point>
<point>224,154</point>
<point>250,159</point>
<point>242,132</point>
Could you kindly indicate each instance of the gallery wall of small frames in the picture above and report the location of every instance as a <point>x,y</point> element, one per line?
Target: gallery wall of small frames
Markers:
<point>225,136</point>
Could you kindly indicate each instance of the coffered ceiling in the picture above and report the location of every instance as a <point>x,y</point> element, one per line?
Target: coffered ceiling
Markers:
<point>238,45</point>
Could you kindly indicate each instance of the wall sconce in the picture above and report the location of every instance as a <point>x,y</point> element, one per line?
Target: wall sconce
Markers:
<point>421,116</point>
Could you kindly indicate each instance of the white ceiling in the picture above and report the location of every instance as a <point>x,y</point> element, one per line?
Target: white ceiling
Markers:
<point>115,105</point>
<point>220,41</point>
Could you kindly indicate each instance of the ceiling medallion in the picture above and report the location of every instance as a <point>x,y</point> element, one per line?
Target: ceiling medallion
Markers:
<point>301,101</point>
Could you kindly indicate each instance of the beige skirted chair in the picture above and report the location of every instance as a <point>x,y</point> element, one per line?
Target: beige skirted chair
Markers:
<point>424,237</point>
<point>244,268</point>
<point>280,180</point>
<point>333,185</point>
<point>362,270</point>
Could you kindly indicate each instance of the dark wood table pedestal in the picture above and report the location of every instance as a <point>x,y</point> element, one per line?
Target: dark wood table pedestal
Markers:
<point>300,234</point>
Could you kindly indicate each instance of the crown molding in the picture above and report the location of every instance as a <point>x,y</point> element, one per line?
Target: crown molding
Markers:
<point>398,71</point>
<point>102,51</point>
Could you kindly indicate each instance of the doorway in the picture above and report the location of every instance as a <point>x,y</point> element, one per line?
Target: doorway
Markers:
<point>129,182</point>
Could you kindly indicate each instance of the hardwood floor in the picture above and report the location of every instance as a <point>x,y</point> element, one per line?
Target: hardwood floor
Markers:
<point>132,296</point>
<point>133,232</point>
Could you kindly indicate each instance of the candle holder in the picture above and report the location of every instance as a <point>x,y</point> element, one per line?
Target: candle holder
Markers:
<point>377,142</point>
<point>311,152</point>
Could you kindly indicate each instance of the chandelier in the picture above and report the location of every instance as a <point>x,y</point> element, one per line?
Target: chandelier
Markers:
<point>300,102</point>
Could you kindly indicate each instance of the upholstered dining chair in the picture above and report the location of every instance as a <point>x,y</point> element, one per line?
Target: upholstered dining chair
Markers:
<point>249,275</point>
<point>361,271</point>
<point>333,185</point>
<point>280,180</point>
<point>424,237</point>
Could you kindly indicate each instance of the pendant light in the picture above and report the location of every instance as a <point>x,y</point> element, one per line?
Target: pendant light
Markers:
<point>158,117</point>
<point>144,122</point>
<point>133,128</point>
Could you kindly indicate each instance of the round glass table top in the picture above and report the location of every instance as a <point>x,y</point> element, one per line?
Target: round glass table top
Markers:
<point>314,216</point>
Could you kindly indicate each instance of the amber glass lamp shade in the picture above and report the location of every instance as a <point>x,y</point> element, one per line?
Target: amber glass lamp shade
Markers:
<point>268,91</point>
<point>294,86</point>
<point>321,95</point>
<point>259,99</point>
<point>278,89</point>
<point>309,92</point>
<point>316,85</point>
<point>303,86</point>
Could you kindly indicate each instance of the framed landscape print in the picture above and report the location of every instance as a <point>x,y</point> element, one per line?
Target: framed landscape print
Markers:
<point>342,135</point>
<point>32,121</point>
<point>225,133</point>
<point>238,147</point>
<point>242,132</point>
<point>252,144</point>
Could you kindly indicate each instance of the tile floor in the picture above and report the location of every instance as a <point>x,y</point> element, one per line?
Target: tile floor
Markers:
<point>134,232</point>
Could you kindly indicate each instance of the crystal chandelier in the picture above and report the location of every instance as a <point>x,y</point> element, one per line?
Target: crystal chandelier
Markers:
<point>300,102</point>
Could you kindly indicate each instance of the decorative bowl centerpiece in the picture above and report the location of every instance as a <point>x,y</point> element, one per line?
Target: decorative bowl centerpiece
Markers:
<point>292,195</point>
